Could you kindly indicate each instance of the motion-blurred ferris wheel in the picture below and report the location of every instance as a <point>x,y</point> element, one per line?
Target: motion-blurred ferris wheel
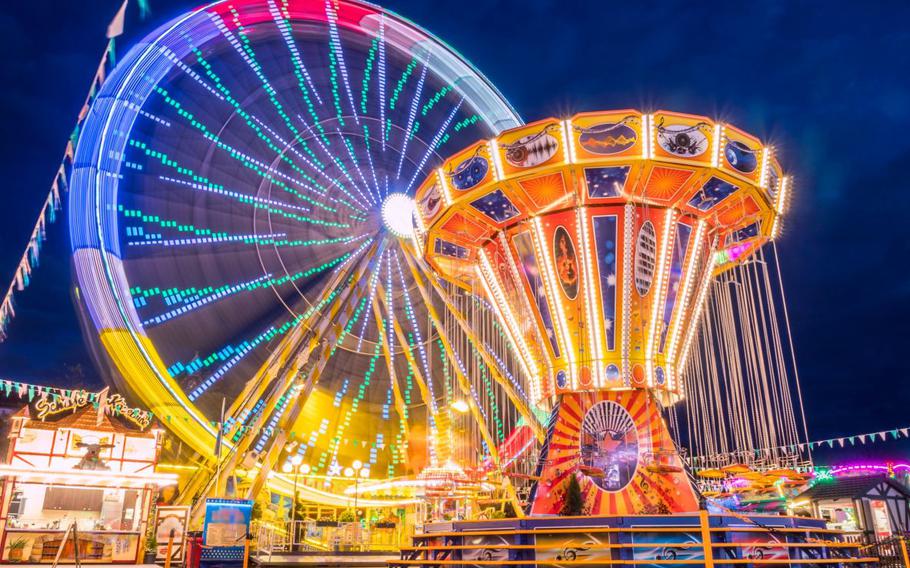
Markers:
<point>240,202</point>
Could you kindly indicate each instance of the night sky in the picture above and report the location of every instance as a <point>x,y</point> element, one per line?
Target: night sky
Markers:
<point>826,82</point>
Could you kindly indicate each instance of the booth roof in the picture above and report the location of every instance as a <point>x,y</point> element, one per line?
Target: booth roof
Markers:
<point>850,488</point>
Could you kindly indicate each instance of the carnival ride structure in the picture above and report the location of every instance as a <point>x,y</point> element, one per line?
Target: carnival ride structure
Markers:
<point>596,239</point>
<point>310,232</point>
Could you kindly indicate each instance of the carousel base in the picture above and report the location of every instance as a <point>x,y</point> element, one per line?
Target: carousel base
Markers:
<point>327,559</point>
<point>652,540</point>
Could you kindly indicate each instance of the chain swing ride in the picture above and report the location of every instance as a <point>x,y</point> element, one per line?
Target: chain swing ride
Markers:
<point>325,217</point>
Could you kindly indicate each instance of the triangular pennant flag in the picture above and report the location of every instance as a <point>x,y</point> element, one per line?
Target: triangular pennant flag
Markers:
<point>115,28</point>
<point>882,436</point>
<point>840,442</point>
<point>905,431</point>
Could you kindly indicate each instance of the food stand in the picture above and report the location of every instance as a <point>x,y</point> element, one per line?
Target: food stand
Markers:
<point>75,469</point>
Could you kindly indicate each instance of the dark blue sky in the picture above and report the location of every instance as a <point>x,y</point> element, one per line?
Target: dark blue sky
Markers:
<point>826,82</point>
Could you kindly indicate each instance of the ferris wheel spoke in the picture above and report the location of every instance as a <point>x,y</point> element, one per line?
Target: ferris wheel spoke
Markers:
<point>385,340</point>
<point>432,146</point>
<point>422,383</point>
<point>337,291</point>
<point>412,115</point>
<point>257,125</point>
<point>336,55</point>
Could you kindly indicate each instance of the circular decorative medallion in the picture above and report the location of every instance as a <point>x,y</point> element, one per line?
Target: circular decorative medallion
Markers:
<point>682,140</point>
<point>740,157</point>
<point>561,380</point>
<point>609,446</point>
<point>469,173</point>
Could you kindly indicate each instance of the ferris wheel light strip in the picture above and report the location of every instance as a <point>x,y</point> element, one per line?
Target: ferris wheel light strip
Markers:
<point>512,328</point>
<point>680,318</point>
<point>658,301</point>
<point>553,293</point>
<point>594,326</point>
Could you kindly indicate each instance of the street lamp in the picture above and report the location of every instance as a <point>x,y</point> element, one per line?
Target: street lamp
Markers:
<point>294,464</point>
<point>356,471</point>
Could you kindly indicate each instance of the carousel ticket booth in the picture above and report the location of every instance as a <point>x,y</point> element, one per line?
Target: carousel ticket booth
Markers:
<point>78,482</point>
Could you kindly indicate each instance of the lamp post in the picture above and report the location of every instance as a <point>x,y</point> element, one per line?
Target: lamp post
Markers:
<point>356,471</point>
<point>294,464</point>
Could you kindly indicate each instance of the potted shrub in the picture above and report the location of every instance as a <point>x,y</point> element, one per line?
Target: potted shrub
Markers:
<point>151,548</point>
<point>16,548</point>
<point>347,516</point>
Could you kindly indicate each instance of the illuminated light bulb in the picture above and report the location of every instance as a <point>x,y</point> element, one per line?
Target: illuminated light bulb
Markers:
<point>398,215</point>
<point>357,464</point>
<point>296,459</point>
<point>364,473</point>
<point>497,160</point>
<point>663,268</point>
<point>460,406</point>
<point>348,472</point>
<point>305,469</point>
<point>286,467</point>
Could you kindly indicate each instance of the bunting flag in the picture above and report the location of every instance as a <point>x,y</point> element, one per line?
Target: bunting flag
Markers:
<point>871,437</point>
<point>29,260</point>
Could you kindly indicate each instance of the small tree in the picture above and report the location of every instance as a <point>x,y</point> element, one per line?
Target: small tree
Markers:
<point>573,502</point>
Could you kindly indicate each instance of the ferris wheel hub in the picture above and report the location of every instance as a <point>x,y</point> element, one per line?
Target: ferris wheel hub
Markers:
<point>398,215</point>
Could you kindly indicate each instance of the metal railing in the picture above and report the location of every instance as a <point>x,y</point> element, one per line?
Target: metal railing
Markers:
<point>290,537</point>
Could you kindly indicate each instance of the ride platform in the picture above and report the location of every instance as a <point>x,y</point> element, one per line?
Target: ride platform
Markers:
<point>696,539</point>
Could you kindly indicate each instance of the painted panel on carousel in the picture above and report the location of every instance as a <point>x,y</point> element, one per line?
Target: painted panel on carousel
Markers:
<point>677,263</point>
<point>464,228</point>
<point>648,490</point>
<point>532,149</point>
<point>713,192</point>
<point>740,157</point>
<point>546,191</point>
<point>609,446</point>
<point>664,184</point>
<point>524,247</point>
<point>430,203</point>
<point>566,262</point>
<point>446,248</point>
<point>607,138</point>
<point>737,210</point>
<point>606,246</point>
<point>683,137</point>
<point>742,154</point>
<point>496,206</point>
<point>569,547</point>
<point>606,182</point>
<point>645,257</point>
<point>750,231</point>
<point>611,135</point>
<point>469,172</point>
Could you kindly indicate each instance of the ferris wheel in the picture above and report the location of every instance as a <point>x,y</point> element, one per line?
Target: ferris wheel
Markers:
<point>241,202</point>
